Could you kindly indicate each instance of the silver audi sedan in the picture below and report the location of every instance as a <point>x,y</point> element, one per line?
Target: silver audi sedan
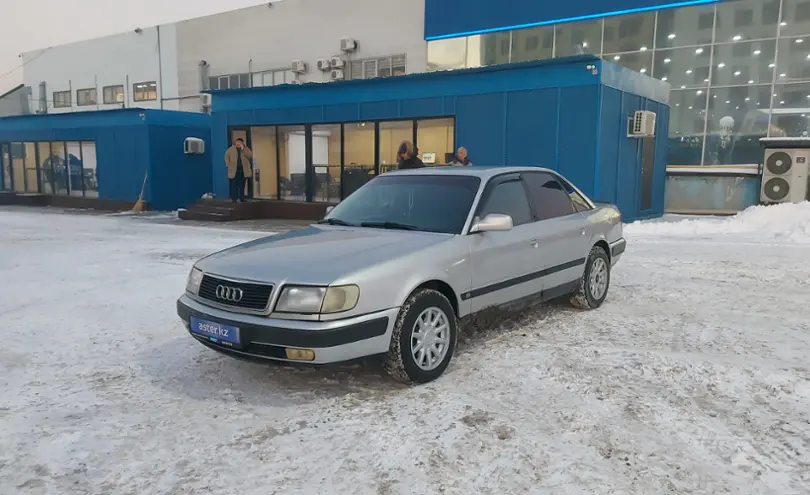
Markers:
<point>395,267</point>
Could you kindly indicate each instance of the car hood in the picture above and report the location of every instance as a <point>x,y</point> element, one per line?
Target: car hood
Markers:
<point>318,254</point>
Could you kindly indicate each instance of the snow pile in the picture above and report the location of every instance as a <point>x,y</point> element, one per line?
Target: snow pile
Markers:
<point>784,222</point>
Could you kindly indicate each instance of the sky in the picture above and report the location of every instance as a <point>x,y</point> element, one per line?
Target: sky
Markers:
<point>24,28</point>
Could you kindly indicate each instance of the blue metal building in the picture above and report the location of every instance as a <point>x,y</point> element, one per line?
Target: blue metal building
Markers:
<point>569,114</point>
<point>105,155</point>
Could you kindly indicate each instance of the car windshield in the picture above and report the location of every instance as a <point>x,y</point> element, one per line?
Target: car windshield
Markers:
<point>430,203</point>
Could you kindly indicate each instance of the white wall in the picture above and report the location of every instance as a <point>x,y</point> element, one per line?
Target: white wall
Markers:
<point>266,38</point>
<point>252,39</point>
<point>122,59</point>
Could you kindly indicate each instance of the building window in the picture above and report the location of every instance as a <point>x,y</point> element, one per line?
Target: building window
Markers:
<point>86,97</point>
<point>229,81</point>
<point>271,78</point>
<point>113,94</point>
<point>145,91</point>
<point>379,67</point>
<point>61,99</point>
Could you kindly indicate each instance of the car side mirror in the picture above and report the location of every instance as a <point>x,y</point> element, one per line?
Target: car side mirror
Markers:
<point>494,222</point>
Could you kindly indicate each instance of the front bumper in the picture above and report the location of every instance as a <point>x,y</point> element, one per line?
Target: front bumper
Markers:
<point>263,338</point>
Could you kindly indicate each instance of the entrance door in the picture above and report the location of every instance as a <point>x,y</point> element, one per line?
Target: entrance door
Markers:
<point>6,183</point>
<point>244,133</point>
<point>265,162</point>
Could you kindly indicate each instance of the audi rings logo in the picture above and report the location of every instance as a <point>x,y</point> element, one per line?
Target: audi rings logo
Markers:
<point>232,294</point>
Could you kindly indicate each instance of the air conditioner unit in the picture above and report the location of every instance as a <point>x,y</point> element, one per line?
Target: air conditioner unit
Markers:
<point>336,75</point>
<point>642,124</point>
<point>348,45</point>
<point>206,99</point>
<point>336,63</point>
<point>193,146</point>
<point>784,177</point>
<point>298,66</point>
<point>324,64</point>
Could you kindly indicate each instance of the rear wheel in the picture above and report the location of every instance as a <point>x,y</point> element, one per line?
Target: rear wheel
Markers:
<point>424,338</point>
<point>595,281</point>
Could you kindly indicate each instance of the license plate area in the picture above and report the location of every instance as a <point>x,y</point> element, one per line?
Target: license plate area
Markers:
<point>215,332</point>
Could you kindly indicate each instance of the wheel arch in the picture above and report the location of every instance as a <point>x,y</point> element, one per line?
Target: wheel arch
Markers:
<point>443,288</point>
<point>604,245</point>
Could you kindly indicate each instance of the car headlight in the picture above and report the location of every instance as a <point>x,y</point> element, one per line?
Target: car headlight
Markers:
<point>312,300</point>
<point>194,279</point>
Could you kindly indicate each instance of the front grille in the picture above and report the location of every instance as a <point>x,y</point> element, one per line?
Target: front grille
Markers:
<point>254,296</point>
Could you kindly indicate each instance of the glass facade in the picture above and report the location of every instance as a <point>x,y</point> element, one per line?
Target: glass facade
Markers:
<point>59,168</point>
<point>739,69</point>
<point>328,162</point>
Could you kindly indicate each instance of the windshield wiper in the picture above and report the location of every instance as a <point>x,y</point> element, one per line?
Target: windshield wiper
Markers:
<point>390,225</point>
<point>337,221</point>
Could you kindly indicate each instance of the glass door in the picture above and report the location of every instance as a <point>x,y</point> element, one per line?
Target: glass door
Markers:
<point>326,157</point>
<point>6,183</point>
<point>31,174</point>
<point>243,133</point>
<point>265,162</point>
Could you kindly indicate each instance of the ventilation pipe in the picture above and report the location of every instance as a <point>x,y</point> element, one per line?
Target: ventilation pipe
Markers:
<point>43,98</point>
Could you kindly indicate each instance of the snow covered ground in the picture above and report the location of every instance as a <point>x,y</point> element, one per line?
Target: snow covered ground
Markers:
<point>692,378</point>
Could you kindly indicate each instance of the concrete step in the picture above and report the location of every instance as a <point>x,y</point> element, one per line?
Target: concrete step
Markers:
<point>202,216</point>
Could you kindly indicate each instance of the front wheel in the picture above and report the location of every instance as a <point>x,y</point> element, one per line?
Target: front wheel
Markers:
<point>424,338</point>
<point>595,281</point>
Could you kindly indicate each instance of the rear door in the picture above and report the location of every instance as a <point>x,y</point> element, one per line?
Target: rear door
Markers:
<point>561,233</point>
<point>500,260</point>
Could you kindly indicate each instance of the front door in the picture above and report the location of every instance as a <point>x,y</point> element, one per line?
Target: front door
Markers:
<point>563,240</point>
<point>244,134</point>
<point>502,260</point>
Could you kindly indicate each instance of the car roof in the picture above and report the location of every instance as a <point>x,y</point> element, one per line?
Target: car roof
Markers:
<point>484,172</point>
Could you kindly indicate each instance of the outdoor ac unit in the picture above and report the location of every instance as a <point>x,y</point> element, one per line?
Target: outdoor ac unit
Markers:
<point>642,124</point>
<point>324,65</point>
<point>193,146</point>
<point>784,177</point>
<point>336,63</point>
<point>205,100</point>
<point>348,45</point>
<point>298,66</point>
<point>336,75</point>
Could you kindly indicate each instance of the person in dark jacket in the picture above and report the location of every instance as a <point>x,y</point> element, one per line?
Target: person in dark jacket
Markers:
<point>407,156</point>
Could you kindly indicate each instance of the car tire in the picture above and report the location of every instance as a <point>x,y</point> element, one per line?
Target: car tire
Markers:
<point>595,281</point>
<point>428,309</point>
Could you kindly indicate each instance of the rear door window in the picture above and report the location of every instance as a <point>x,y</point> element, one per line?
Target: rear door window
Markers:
<point>548,197</point>
<point>580,204</point>
<point>508,198</point>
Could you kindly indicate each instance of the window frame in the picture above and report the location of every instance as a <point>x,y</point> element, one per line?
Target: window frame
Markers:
<point>104,94</point>
<point>490,186</point>
<point>79,100</point>
<point>67,104</point>
<point>135,91</point>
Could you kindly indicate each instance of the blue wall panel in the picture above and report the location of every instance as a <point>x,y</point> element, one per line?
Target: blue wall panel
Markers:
<point>480,127</point>
<point>629,173</point>
<point>531,128</point>
<point>450,18</point>
<point>379,110</point>
<point>176,179</point>
<point>346,112</point>
<point>421,107</point>
<point>576,152</point>
<point>610,138</point>
<point>122,156</point>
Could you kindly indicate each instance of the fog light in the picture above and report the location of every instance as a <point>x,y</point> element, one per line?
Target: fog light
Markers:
<point>300,354</point>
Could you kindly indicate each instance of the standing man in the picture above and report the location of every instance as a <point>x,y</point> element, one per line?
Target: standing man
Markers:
<point>237,159</point>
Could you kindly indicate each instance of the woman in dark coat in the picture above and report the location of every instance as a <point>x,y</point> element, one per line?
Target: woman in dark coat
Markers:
<point>407,156</point>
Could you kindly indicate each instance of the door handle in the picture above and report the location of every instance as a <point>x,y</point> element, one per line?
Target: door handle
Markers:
<point>534,243</point>
<point>583,232</point>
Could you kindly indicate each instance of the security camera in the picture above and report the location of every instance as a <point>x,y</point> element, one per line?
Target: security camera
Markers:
<point>138,30</point>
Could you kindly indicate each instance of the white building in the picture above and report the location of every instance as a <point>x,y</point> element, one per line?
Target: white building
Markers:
<point>167,66</point>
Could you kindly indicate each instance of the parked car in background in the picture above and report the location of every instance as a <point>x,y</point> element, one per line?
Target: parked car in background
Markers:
<point>392,269</point>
